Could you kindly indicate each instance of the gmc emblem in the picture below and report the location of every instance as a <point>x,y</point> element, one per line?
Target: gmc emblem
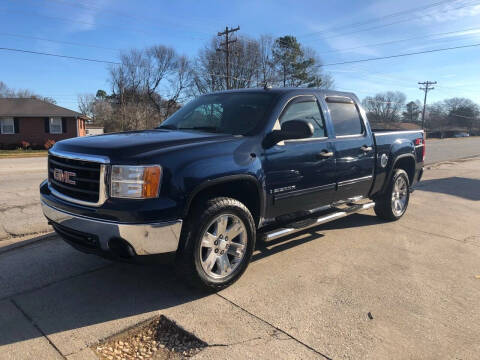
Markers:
<point>64,176</point>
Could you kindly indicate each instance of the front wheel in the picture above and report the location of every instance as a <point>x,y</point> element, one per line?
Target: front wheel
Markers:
<point>393,204</point>
<point>218,243</point>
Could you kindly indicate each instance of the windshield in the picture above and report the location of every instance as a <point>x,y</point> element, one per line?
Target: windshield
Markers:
<point>230,113</point>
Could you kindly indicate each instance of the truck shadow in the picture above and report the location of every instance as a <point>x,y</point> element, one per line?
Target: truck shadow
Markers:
<point>95,296</point>
<point>465,188</point>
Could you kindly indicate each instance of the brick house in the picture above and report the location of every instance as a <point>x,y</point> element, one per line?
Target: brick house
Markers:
<point>36,121</point>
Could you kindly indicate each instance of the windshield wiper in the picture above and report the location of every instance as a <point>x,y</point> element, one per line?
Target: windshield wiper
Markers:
<point>206,128</point>
<point>167,126</point>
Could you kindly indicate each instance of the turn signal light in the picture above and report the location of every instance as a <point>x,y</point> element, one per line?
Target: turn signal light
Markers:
<point>151,182</point>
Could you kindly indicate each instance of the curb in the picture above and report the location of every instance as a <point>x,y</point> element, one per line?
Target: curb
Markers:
<point>16,243</point>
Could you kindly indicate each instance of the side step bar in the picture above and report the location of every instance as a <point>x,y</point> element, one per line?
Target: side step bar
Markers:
<point>284,231</point>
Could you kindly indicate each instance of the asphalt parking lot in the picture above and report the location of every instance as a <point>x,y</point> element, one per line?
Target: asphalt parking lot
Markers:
<point>353,289</point>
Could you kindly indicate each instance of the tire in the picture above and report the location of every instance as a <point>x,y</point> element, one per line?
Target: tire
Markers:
<point>208,258</point>
<point>393,204</point>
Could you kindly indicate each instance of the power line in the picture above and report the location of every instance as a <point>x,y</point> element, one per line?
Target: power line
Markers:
<point>398,55</point>
<point>389,24</point>
<point>426,88</point>
<point>366,22</point>
<point>58,41</point>
<point>61,56</point>
<point>400,40</point>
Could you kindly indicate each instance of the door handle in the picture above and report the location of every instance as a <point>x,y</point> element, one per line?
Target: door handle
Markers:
<point>366,148</point>
<point>325,154</point>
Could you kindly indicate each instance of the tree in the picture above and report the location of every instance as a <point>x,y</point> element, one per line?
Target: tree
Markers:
<point>453,114</point>
<point>6,92</point>
<point>209,70</point>
<point>385,107</point>
<point>412,112</point>
<point>256,63</point>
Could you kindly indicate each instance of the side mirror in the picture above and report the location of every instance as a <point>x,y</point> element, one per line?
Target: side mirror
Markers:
<point>293,129</point>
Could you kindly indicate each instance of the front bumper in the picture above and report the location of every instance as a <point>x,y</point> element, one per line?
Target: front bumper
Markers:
<point>108,237</point>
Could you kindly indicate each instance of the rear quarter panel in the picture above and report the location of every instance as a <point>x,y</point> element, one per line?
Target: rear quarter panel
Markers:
<point>396,145</point>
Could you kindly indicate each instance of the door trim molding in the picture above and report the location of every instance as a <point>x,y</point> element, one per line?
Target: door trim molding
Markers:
<point>306,191</point>
<point>354,181</point>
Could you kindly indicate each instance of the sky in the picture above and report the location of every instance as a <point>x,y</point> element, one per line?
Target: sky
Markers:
<point>338,31</point>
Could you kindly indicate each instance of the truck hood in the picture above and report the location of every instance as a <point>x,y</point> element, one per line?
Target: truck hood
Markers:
<point>134,143</point>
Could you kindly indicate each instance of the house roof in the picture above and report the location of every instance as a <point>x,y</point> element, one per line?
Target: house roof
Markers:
<point>33,107</point>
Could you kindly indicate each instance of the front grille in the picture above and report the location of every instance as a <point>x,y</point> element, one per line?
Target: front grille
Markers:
<point>86,178</point>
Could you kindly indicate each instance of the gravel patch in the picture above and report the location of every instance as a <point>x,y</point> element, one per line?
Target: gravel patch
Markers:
<point>158,339</point>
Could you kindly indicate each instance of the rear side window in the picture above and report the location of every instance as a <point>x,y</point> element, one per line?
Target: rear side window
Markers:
<point>346,119</point>
<point>305,109</point>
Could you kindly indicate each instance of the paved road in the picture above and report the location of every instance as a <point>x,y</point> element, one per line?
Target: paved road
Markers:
<point>451,149</point>
<point>305,297</point>
<point>20,212</point>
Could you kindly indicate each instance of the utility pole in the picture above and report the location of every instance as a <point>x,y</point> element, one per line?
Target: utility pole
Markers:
<point>226,49</point>
<point>426,87</point>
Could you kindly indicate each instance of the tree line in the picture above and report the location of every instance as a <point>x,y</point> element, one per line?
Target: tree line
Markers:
<point>7,92</point>
<point>150,84</point>
<point>389,108</point>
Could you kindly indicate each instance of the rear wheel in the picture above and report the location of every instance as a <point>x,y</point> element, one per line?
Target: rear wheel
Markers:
<point>218,243</point>
<point>393,204</point>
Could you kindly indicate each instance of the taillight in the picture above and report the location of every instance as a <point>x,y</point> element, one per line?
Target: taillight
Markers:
<point>421,142</point>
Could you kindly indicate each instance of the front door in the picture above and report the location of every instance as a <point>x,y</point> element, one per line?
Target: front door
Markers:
<point>354,149</point>
<point>300,174</point>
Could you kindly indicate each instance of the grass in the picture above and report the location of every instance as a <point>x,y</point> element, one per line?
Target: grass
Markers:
<point>21,153</point>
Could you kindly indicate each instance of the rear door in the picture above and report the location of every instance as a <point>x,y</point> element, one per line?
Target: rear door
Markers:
<point>354,148</point>
<point>300,174</point>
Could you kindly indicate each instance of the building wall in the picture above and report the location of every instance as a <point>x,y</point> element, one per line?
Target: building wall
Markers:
<point>94,131</point>
<point>81,127</point>
<point>33,131</point>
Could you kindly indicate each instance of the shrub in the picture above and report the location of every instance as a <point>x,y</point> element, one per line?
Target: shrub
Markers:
<point>49,143</point>
<point>25,144</point>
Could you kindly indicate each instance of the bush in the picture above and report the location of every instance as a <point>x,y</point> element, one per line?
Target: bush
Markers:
<point>25,144</point>
<point>49,143</point>
<point>35,146</point>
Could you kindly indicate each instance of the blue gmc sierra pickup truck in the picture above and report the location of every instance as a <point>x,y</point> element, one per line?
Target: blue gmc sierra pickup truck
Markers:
<point>226,169</point>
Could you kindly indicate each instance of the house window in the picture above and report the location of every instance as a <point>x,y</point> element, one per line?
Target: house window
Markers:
<point>7,126</point>
<point>55,125</point>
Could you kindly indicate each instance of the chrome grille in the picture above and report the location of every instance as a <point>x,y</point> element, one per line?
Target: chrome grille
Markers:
<point>85,183</point>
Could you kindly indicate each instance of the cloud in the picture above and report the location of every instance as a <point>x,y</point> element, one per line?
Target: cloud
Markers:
<point>83,16</point>
<point>453,12</point>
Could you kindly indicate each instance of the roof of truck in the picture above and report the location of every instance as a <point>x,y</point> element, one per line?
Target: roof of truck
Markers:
<point>286,90</point>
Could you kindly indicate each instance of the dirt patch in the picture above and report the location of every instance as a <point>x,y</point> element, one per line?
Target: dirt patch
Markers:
<point>159,338</point>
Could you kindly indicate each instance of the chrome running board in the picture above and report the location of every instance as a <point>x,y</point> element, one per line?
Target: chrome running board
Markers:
<point>308,223</point>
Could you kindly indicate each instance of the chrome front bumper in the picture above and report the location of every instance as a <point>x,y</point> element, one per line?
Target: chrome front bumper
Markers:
<point>145,239</point>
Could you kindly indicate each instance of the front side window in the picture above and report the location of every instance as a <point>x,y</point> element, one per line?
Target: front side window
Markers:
<point>228,113</point>
<point>345,118</point>
<point>305,109</point>
<point>7,126</point>
<point>55,125</point>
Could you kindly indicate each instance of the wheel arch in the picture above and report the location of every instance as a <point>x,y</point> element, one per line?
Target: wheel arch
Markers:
<point>242,187</point>
<point>405,162</point>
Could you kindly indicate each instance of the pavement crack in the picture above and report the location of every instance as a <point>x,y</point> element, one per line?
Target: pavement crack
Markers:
<point>20,207</point>
<point>236,343</point>
<point>462,241</point>
<point>56,282</point>
<point>29,319</point>
<point>275,327</point>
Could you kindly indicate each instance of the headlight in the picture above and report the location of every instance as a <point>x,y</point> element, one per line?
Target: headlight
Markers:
<point>135,182</point>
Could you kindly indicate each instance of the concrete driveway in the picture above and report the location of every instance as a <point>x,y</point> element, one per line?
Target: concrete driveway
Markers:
<point>356,288</point>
